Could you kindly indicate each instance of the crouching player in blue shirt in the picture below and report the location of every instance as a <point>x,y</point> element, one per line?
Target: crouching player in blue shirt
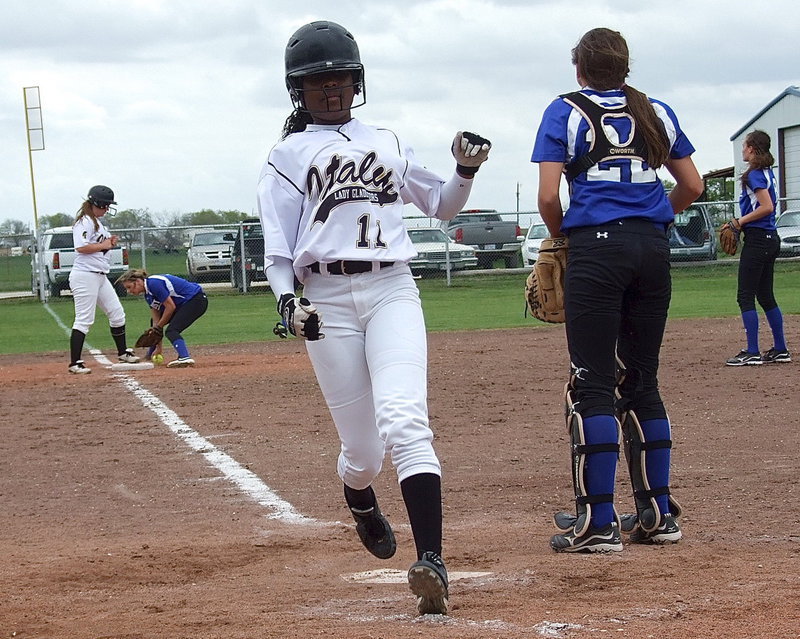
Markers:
<point>175,304</point>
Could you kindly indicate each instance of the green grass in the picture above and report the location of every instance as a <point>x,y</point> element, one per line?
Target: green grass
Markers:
<point>15,273</point>
<point>472,302</point>
<point>155,263</point>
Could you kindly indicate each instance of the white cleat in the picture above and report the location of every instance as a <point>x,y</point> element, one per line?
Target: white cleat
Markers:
<point>128,357</point>
<point>181,362</point>
<point>79,369</point>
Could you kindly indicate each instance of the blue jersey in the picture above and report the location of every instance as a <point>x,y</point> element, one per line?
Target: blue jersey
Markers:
<point>157,288</point>
<point>614,189</point>
<point>748,202</point>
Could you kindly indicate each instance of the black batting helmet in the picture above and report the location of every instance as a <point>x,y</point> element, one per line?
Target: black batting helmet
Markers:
<point>101,196</point>
<point>318,47</point>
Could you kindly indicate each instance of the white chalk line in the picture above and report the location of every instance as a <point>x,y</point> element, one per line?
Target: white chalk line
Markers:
<point>247,481</point>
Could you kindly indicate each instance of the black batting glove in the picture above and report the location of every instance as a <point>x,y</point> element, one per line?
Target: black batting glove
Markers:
<point>299,317</point>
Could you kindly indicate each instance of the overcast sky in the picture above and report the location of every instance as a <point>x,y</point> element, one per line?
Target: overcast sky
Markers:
<point>174,104</point>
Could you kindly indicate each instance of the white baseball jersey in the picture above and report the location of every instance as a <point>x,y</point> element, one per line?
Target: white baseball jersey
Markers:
<point>83,233</point>
<point>336,192</point>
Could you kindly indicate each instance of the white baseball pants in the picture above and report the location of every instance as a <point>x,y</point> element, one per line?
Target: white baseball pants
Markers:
<point>372,370</point>
<point>90,290</point>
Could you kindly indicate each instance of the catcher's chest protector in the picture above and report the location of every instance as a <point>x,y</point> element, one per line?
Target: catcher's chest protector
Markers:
<point>602,148</point>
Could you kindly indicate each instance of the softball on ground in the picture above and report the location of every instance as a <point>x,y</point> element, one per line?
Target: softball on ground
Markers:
<point>158,359</point>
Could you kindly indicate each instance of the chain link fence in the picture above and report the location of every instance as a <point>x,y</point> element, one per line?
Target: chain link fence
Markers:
<point>230,257</point>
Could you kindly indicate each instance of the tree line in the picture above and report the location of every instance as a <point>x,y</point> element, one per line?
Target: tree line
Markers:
<point>16,232</point>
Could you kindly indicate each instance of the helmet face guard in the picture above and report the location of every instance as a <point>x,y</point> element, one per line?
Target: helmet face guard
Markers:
<point>320,47</point>
<point>296,91</point>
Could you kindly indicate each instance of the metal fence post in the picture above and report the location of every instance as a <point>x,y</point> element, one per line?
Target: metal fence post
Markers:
<point>43,290</point>
<point>241,251</point>
<point>143,252</point>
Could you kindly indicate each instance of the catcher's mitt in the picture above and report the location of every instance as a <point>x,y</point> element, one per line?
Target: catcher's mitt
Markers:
<point>151,337</point>
<point>544,288</point>
<point>729,236</point>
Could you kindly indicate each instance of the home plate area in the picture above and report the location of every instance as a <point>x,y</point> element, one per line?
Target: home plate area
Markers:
<point>392,576</point>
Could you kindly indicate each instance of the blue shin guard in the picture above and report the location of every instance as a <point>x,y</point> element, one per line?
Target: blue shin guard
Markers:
<point>647,449</point>
<point>594,443</point>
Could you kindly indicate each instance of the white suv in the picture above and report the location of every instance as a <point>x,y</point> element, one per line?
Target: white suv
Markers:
<point>209,253</point>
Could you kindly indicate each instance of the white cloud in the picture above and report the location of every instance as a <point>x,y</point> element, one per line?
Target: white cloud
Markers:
<point>175,103</point>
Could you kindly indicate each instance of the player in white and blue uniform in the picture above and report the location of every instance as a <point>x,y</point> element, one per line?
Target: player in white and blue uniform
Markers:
<point>761,245</point>
<point>331,197</point>
<point>608,140</point>
<point>175,304</point>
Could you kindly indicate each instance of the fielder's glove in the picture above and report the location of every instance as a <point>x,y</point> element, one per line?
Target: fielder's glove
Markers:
<point>470,151</point>
<point>729,236</point>
<point>151,337</point>
<point>544,288</point>
<point>300,318</point>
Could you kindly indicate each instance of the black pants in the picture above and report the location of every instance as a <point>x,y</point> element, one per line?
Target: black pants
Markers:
<point>185,315</point>
<point>757,269</point>
<point>617,294</point>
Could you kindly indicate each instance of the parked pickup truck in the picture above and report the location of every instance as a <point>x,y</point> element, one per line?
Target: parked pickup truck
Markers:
<point>59,255</point>
<point>491,236</point>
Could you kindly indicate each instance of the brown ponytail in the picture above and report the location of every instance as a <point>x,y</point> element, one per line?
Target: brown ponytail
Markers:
<point>652,127</point>
<point>86,211</point>
<point>762,158</point>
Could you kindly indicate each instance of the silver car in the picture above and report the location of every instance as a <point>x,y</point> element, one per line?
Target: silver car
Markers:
<point>435,250</point>
<point>209,253</point>
<point>789,231</point>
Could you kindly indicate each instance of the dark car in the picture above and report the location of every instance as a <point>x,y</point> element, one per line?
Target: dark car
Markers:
<point>692,236</point>
<point>247,267</point>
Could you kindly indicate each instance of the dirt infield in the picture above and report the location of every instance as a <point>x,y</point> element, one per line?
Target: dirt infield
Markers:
<point>115,527</point>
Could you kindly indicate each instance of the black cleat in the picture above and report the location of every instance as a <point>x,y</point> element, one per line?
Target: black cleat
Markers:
<point>374,531</point>
<point>427,579</point>
<point>773,356</point>
<point>605,539</point>
<point>745,359</point>
<point>667,532</point>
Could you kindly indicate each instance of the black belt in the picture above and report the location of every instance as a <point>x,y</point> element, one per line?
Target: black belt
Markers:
<point>347,267</point>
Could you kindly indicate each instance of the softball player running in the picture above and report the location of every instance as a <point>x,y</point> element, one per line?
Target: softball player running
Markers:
<point>761,246</point>
<point>331,198</point>
<point>175,304</point>
<point>608,139</point>
<point>88,279</point>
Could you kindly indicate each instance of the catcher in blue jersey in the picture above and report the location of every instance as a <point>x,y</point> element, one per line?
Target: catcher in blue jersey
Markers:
<point>757,205</point>
<point>175,304</point>
<point>607,140</point>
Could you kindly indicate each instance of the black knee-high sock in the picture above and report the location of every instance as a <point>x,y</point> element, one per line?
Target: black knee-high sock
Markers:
<point>76,340</point>
<point>359,499</point>
<point>118,333</point>
<point>423,497</point>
